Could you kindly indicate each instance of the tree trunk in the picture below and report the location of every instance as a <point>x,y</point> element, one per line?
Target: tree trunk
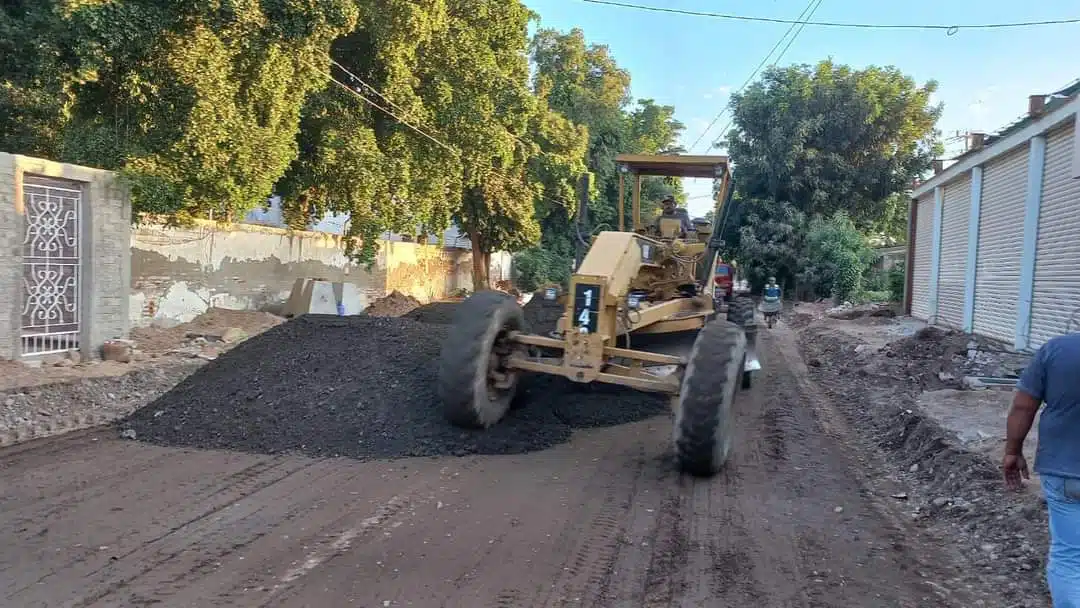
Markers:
<point>480,271</point>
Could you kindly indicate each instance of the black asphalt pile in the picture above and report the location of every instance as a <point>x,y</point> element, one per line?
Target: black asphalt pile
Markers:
<point>361,387</point>
<point>438,313</point>
<point>542,315</point>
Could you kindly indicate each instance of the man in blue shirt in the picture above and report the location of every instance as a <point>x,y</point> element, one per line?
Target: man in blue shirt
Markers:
<point>1053,378</point>
<point>772,290</point>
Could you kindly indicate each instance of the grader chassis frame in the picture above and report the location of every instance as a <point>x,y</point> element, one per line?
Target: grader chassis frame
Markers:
<point>628,284</point>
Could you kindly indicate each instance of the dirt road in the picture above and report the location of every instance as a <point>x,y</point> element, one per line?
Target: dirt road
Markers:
<point>91,520</point>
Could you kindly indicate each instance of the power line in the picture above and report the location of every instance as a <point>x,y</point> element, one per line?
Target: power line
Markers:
<point>448,147</point>
<point>778,58</point>
<point>949,29</point>
<point>399,108</point>
<point>505,179</point>
<point>752,74</point>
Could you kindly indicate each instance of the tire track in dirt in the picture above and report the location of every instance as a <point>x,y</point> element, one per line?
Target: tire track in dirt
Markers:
<point>670,551</point>
<point>87,580</point>
<point>598,535</point>
<point>725,564</point>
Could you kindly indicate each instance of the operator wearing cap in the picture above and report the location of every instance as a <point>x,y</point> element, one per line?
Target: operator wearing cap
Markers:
<point>670,210</point>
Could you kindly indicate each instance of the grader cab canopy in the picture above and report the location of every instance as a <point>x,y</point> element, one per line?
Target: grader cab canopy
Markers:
<point>630,283</point>
<point>639,165</point>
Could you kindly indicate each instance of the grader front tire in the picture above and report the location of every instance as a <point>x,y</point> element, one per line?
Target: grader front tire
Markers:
<point>474,386</point>
<point>703,425</point>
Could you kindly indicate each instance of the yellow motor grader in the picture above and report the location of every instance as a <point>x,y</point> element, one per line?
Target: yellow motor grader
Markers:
<point>654,279</point>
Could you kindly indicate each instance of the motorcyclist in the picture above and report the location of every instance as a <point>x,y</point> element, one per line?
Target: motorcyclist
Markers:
<point>770,303</point>
<point>772,290</point>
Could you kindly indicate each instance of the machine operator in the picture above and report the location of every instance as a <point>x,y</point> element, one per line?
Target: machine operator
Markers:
<point>669,210</point>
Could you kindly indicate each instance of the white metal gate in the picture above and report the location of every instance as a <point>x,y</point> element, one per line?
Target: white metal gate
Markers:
<point>924,242</point>
<point>954,237</point>
<point>52,253</point>
<point>1057,259</point>
<point>1001,240</point>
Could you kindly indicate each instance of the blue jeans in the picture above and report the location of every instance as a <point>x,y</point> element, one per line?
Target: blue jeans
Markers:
<point>1063,569</point>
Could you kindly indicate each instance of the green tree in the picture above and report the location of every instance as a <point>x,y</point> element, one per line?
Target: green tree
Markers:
<point>828,137</point>
<point>40,66</point>
<point>812,141</point>
<point>584,83</point>
<point>770,242</point>
<point>357,159</point>
<point>835,257</point>
<point>197,103</point>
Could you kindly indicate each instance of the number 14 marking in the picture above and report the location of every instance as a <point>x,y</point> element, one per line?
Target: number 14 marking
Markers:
<point>584,317</point>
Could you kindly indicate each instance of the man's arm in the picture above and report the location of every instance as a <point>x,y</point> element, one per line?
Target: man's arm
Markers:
<point>1026,401</point>
<point>1021,417</point>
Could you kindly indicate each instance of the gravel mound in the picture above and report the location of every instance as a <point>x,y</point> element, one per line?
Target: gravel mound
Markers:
<point>361,387</point>
<point>394,304</point>
<point>541,315</point>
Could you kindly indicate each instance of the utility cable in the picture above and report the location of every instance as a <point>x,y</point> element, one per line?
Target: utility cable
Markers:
<point>774,63</point>
<point>367,86</point>
<point>457,153</point>
<point>949,29</point>
<point>805,13</point>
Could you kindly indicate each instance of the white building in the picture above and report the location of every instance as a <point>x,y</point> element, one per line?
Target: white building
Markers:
<point>995,238</point>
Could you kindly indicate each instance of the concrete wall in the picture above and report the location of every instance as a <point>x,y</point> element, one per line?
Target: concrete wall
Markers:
<point>177,273</point>
<point>104,233</point>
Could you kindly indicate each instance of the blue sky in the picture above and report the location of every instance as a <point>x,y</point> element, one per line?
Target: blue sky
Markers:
<point>694,63</point>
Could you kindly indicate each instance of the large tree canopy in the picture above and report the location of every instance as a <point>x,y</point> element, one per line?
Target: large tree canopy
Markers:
<point>583,82</point>
<point>402,114</point>
<point>811,142</point>
<point>198,102</point>
<point>828,137</point>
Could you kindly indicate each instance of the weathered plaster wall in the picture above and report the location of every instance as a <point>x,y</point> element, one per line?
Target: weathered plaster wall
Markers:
<point>177,273</point>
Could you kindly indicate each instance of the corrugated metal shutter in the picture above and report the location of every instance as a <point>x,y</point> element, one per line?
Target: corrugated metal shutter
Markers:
<point>1001,239</point>
<point>954,237</point>
<point>924,241</point>
<point>1057,257</point>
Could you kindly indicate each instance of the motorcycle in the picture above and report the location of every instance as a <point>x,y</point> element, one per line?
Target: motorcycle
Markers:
<point>771,307</point>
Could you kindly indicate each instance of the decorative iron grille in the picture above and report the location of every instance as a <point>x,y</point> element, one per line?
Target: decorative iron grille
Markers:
<point>52,253</point>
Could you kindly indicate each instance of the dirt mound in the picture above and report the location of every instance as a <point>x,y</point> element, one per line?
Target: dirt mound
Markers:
<point>954,492</point>
<point>436,313</point>
<point>361,387</point>
<point>859,312</point>
<point>393,305</point>
<point>212,323</point>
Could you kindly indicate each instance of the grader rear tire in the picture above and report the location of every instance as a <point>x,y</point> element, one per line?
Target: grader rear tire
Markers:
<point>741,311</point>
<point>474,386</point>
<point>703,426</point>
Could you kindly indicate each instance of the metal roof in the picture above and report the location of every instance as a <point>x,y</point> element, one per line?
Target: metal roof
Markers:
<point>1006,138</point>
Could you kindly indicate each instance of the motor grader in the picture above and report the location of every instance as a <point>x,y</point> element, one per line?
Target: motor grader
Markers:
<point>652,279</point>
